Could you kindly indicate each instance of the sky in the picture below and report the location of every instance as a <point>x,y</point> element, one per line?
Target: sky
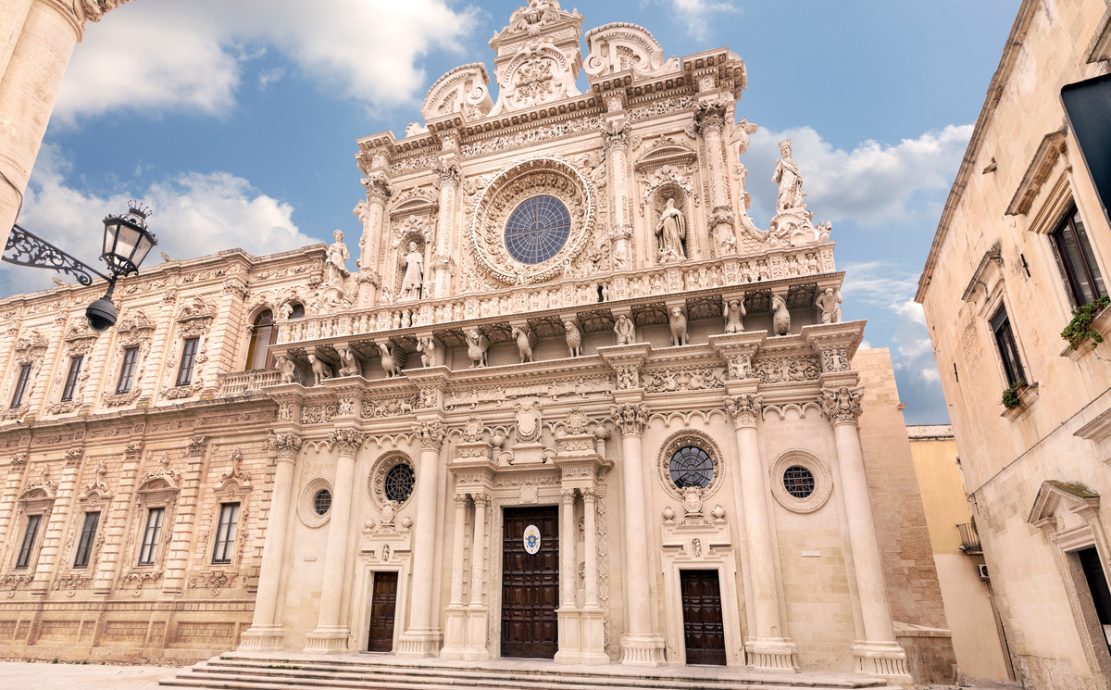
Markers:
<point>237,122</point>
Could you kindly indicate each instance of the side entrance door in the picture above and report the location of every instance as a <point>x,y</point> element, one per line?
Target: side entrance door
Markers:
<point>383,606</point>
<point>530,584</point>
<point>703,631</point>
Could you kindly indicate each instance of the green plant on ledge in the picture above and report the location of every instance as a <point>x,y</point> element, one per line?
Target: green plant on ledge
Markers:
<point>1079,330</point>
<point>1010,395</point>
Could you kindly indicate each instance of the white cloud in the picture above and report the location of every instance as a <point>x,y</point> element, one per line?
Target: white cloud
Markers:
<point>696,14</point>
<point>872,184</point>
<point>196,214</point>
<point>169,55</point>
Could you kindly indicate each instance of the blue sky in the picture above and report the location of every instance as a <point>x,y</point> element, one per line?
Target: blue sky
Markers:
<point>237,122</point>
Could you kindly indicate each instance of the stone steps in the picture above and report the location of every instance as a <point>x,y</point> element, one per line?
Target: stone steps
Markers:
<point>243,671</point>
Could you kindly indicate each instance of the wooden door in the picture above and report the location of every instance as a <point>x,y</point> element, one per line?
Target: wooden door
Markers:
<point>530,584</point>
<point>703,631</point>
<point>383,606</point>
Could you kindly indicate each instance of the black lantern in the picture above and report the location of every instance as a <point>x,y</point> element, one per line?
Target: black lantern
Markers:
<point>127,240</point>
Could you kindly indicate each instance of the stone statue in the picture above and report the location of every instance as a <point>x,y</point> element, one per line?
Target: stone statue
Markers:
<point>671,232</point>
<point>625,330</point>
<point>426,346</point>
<point>678,322</point>
<point>830,304</point>
<point>740,136</point>
<point>781,316</point>
<point>524,346</point>
<point>734,310</point>
<point>320,369</point>
<point>348,363</point>
<point>824,229</point>
<point>413,279</point>
<point>574,338</point>
<point>789,179</point>
<point>285,311</point>
<point>477,347</point>
<point>391,364</point>
<point>287,369</point>
<point>335,258</point>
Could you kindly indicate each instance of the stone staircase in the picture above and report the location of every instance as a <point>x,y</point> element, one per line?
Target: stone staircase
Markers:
<point>277,671</point>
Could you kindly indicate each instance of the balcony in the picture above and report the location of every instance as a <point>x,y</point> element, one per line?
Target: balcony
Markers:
<point>970,539</point>
<point>247,382</point>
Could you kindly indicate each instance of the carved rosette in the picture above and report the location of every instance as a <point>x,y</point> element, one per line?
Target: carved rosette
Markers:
<point>630,418</point>
<point>842,405</point>
<point>430,434</point>
<point>347,442</point>
<point>745,409</point>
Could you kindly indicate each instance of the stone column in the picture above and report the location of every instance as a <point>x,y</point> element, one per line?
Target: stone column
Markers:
<point>422,637</point>
<point>331,634</point>
<point>455,630</point>
<point>769,647</point>
<point>879,653</point>
<point>477,611</point>
<point>450,176</point>
<point>266,632</point>
<point>617,153</point>
<point>372,213</point>
<point>593,622</point>
<point>709,120</point>
<point>570,643</point>
<point>640,645</point>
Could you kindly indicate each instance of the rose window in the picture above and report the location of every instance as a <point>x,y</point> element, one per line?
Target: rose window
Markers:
<point>537,229</point>
<point>399,483</point>
<point>691,466</point>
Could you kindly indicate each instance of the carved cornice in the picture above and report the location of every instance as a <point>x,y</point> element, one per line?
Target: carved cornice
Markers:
<point>842,405</point>
<point>744,409</point>
<point>630,418</point>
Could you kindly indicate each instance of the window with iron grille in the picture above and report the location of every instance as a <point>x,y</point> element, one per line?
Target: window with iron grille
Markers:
<point>225,533</point>
<point>21,385</point>
<point>71,377</point>
<point>799,482</point>
<point>691,466</point>
<point>151,533</point>
<point>127,370</point>
<point>1076,260</point>
<point>28,545</point>
<point>1008,348</point>
<point>399,482</point>
<point>322,502</point>
<point>85,543</point>
<point>188,359</point>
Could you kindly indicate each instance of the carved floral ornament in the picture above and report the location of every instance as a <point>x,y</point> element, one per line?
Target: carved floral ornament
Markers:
<point>542,175</point>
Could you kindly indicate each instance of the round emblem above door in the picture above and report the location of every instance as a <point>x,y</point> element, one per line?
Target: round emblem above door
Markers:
<point>532,539</point>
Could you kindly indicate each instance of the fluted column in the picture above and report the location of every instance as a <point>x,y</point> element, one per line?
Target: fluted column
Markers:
<point>567,549</point>
<point>710,120</point>
<point>372,213</point>
<point>331,634</point>
<point>455,630</point>
<point>617,153</point>
<point>422,637</point>
<point>450,176</point>
<point>477,612</point>
<point>769,647</point>
<point>590,545</point>
<point>266,632</point>
<point>879,653</point>
<point>640,645</point>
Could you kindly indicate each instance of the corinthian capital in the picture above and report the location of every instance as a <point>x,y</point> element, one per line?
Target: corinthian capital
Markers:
<point>709,116</point>
<point>630,418</point>
<point>448,173</point>
<point>431,434</point>
<point>285,445</point>
<point>842,405</point>
<point>377,187</point>
<point>744,409</point>
<point>94,10</point>
<point>347,441</point>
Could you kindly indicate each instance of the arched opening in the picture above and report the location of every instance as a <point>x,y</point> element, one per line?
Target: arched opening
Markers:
<point>263,334</point>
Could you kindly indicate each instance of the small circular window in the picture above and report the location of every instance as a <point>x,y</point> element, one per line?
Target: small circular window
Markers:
<point>399,482</point>
<point>798,481</point>
<point>322,502</point>
<point>691,466</point>
<point>537,229</point>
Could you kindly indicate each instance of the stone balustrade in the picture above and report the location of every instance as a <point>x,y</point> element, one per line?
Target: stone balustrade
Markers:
<point>244,382</point>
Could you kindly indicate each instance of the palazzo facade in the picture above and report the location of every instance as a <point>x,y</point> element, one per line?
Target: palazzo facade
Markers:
<point>570,403</point>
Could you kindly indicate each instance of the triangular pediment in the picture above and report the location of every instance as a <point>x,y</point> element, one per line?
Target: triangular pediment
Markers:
<point>1061,502</point>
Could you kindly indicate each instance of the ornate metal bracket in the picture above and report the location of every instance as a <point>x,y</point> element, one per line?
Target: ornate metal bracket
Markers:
<point>25,249</point>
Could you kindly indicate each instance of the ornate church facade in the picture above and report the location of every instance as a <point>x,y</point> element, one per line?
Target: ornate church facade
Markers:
<point>570,403</point>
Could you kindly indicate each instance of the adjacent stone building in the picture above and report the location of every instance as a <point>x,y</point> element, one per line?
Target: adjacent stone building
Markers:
<point>1023,243</point>
<point>572,403</point>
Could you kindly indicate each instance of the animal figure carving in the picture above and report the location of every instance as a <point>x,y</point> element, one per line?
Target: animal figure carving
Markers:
<point>781,316</point>
<point>678,323</point>
<point>477,346</point>
<point>574,338</point>
<point>524,346</point>
<point>390,363</point>
<point>320,369</point>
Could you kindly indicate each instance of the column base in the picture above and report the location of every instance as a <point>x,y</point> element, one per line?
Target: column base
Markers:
<point>884,659</point>
<point>771,654</point>
<point>455,633</point>
<point>570,637</point>
<point>419,643</point>
<point>328,640</point>
<point>476,634</point>
<point>262,638</point>
<point>642,650</point>
<point>593,636</point>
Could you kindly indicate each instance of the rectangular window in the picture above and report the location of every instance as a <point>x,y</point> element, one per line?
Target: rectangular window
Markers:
<point>71,377</point>
<point>127,370</point>
<point>85,543</point>
<point>1077,261</point>
<point>28,544</point>
<point>1008,348</point>
<point>225,533</point>
<point>21,385</point>
<point>151,532</point>
<point>188,359</point>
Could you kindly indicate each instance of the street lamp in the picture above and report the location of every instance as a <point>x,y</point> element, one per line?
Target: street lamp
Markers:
<point>127,241</point>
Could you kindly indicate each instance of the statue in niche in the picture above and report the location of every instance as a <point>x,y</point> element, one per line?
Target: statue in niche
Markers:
<point>335,258</point>
<point>789,179</point>
<point>625,330</point>
<point>348,363</point>
<point>413,279</point>
<point>285,311</point>
<point>671,232</point>
<point>830,304</point>
<point>734,311</point>
<point>781,316</point>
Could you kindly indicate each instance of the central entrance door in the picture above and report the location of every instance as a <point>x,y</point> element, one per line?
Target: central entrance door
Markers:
<point>703,631</point>
<point>383,605</point>
<point>530,584</point>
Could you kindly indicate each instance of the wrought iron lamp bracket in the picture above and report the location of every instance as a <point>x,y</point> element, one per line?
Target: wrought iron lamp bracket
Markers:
<point>26,249</point>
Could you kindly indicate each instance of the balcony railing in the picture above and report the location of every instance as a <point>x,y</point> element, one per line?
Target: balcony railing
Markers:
<point>970,538</point>
<point>244,382</point>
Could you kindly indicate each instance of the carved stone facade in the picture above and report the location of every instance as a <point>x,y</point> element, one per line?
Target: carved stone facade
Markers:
<point>559,303</point>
